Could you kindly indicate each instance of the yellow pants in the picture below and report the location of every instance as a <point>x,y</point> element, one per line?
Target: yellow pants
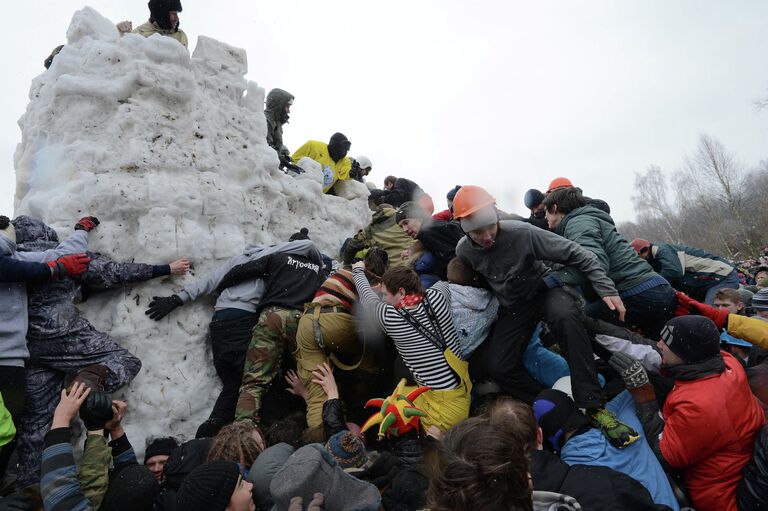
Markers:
<point>446,408</point>
<point>337,330</point>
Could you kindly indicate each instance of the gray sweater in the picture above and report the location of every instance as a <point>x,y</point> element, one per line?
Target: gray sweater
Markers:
<point>13,297</point>
<point>245,295</point>
<point>513,265</point>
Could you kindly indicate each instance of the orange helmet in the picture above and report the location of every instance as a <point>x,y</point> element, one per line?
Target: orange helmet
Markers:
<point>559,182</point>
<point>469,199</point>
<point>640,245</point>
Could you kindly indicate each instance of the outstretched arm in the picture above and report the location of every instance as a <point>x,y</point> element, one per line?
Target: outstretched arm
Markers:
<point>248,271</point>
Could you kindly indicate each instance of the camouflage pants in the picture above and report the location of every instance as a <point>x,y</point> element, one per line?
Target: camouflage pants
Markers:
<point>51,362</point>
<point>273,334</point>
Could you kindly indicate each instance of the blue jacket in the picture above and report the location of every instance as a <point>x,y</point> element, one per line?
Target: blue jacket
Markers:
<point>636,460</point>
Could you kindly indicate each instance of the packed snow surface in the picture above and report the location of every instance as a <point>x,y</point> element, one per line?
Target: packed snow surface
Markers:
<point>169,151</point>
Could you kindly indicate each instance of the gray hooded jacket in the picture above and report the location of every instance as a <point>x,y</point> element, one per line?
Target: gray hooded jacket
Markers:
<point>245,295</point>
<point>13,295</point>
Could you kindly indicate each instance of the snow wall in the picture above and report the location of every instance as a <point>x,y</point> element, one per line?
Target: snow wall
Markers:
<point>169,152</point>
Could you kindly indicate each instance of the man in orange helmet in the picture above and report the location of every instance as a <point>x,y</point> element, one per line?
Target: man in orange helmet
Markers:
<point>509,255</point>
<point>564,182</point>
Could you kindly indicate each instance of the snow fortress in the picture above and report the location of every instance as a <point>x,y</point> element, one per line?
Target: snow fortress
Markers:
<point>169,152</point>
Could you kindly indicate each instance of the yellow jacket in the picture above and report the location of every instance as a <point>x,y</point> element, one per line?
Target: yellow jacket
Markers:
<point>332,171</point>
<point>750,329</point>
<point>149,28</point>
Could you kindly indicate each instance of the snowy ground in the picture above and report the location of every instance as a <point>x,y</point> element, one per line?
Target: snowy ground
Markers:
<point>169,152</point>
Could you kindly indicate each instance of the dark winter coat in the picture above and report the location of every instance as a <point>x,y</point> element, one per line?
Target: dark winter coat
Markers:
<point>181,463</point>
<point>290,280</point>
<point>404,190</point>
<point>752,492</point>
<point>596,488</point>
<point>688,269</point>
<point>594,230</point>
<point>440,239</point>
<point>276,117</point>
<point>382,232</point>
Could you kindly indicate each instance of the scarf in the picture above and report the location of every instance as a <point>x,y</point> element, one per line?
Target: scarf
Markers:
<point>409,301</point>
<point>695,371</point>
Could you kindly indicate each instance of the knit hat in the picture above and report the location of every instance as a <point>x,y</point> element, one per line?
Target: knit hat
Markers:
<point>311,470</point>
<point>692,338</point>
<point>410,209</point>
<point>760,300</point>
<point>556,414</point>
<point>162,446</point>
<point>452,194</point>
<point>483,217</point>
<point>533,198</point>
<point>133,489</point>
<point>303,234</point>
<point>746,296</point>
<point>347,449</point>
<point>208,487</point>
<point>6,228</point>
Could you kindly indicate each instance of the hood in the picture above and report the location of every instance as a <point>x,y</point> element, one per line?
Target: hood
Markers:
<point>473,298</point>
<point>383,212</point>
<point>276,101</point>
<point>584,211</point>
<point>33,235</point>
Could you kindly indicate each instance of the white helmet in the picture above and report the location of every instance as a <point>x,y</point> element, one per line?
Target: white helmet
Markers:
<point>364,162</point>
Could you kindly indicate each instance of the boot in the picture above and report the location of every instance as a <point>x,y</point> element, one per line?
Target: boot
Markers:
<point>92,376</point>
<point>618,434</point>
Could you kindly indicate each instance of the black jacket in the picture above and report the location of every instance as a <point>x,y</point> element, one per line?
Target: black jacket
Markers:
<point>290,280</point>
<point>187,457</point>
<point>752,492</point>
<point>595,488</point>
<point>402,191</point>
<point>440,239</point>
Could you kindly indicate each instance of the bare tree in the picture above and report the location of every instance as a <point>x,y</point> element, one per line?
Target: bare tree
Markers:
<point>651,201</point>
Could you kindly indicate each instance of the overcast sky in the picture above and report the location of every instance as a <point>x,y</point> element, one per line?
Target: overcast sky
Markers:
<point>499,93</point>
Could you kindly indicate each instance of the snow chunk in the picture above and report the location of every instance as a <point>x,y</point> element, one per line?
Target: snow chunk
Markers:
<point>170,153</point>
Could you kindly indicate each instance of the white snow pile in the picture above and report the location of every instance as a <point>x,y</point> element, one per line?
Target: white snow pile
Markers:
<point>170,153</point>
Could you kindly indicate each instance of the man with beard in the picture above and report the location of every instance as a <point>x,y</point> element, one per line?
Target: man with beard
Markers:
<point>163,19</point>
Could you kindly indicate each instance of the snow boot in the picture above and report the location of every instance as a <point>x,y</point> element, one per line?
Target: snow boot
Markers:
<point>92,376</point>
<point>618,434</point>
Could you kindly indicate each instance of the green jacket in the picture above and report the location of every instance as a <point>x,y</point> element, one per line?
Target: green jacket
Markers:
<point>7,429</point>
<point>276,117</point>
<point>688,268</point>
<point>594,230</point>
<point>382,232</point>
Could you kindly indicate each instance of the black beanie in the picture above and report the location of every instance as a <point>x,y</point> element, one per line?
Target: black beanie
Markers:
<point>163,446</point>
<point>159,9</point>
<point>556,414</point>
<point>692,338</point>
<point>338,146</point>
<point>533,198</point>
<point>133,489</point>
<point>410,209</point>
<point>208,487</point>
<point>303,234</point>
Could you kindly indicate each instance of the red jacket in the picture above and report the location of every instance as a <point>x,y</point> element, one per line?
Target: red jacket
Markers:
<point>709,432</point>
<point>445,215</point>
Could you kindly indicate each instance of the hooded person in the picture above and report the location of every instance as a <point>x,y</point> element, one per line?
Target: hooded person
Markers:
<point>332,157</point>
<point>311,470</point>
<point>510,255</point>
<point>17,270</point>
<point>164,20</point>
<point>278,112</point>
<point>62,343</point>
<point>710,418</point>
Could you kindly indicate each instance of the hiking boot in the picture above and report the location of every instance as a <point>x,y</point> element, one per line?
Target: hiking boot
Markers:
<point>618,434</point>
<point>92,376</point>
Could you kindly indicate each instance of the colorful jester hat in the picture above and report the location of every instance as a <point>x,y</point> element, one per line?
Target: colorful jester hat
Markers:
<point>397,416</point>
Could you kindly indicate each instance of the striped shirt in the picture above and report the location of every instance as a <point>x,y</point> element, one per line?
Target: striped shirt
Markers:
<point>425,360</point>
<point>59,485</point>
<point>338,288</point>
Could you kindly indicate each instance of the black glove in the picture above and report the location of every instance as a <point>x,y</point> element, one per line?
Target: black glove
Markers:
<point>87,223</point>
<point>161,306</point>
<point>96,411</point>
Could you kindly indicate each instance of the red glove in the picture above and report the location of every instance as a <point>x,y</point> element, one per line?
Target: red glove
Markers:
<point>687,305</point>
<point>86,223</point>
<point>69,266</point>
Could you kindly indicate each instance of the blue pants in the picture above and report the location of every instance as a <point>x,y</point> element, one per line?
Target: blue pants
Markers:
<point>731,281</point>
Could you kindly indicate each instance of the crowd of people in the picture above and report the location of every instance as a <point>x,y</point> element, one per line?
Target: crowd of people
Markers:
<point>464,359</point>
